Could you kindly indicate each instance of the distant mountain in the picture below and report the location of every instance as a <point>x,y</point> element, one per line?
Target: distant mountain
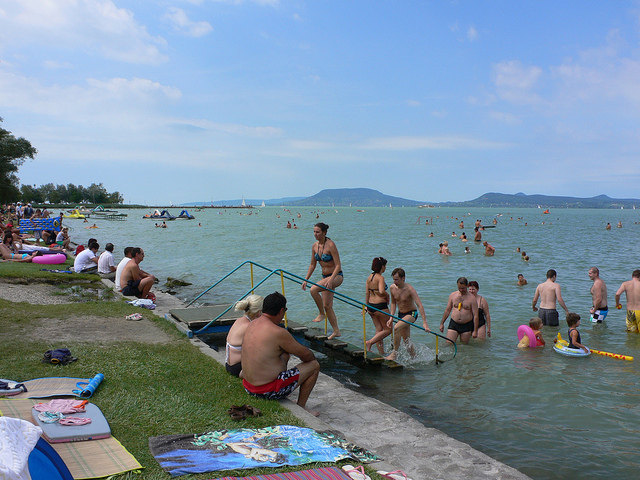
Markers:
<point>544,201</point>
<point>248,201</point>
<point>357,197</point>
<point>366,197</point>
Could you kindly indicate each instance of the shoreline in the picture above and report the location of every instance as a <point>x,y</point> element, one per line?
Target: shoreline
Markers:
<point>402,442</point>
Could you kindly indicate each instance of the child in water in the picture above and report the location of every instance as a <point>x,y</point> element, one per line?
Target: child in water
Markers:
<point>535,324</point>
<point>573,321</point>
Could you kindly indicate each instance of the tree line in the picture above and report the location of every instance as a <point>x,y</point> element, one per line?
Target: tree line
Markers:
<point>13,153</point>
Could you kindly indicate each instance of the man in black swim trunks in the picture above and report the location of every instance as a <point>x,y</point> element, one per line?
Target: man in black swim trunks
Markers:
<point>463,308</point>
<point>405,297</point>
<point>135,282</point>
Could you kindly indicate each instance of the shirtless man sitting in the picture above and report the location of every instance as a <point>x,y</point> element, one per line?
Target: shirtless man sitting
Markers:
<point>632,289</point>
<point>405,297</point>
<point>135,282</point>
<point>549,292</point>
<point>266,349</point>
<point>463,308</point>
<point>598,291</point>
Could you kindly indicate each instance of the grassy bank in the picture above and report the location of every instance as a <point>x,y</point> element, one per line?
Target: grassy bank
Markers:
<point>149,389</point>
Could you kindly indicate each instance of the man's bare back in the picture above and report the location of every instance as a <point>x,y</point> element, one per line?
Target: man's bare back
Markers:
<point>632,290</point>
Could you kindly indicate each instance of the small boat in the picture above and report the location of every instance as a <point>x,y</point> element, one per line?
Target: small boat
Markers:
<point>546,211</point>
<point>101,213</point>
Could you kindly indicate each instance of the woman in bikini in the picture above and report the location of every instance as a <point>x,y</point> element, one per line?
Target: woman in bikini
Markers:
<point>252,308</point>
<point>484,318</point>
<point>9,252</point>
<point>378,298</point>
<point>325,252</point>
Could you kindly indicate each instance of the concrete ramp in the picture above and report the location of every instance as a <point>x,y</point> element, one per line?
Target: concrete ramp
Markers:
<point>198,317</point>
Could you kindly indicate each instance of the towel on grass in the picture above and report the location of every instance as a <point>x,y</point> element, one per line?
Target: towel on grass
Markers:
<point>251,448</point>
<point>327,473</point>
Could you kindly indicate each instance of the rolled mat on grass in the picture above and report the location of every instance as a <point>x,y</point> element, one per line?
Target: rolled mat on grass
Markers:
<point>251,448</point>
<point>51,387</point>
<point>91,459</point>
<point>327,473</point>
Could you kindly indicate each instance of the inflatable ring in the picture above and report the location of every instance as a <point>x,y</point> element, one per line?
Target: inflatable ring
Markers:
<point>56,223</point>
<point>54,259</point>
<point>528,331</point>
<point>571,352</point>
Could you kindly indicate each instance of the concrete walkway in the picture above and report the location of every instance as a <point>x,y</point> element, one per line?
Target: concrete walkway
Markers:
<point>401,441</point>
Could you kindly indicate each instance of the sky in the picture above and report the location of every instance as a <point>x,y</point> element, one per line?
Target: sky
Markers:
<point>201,100</point>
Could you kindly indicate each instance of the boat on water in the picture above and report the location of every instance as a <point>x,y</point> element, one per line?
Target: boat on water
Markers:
<point>158,215</point>
<point>185,214</point>
<point>81,209</point>
<point>100,212</point>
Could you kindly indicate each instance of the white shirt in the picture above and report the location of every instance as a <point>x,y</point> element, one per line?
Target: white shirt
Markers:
<point>119,270</point>
<point>83,260</point>
<point>105,262</point>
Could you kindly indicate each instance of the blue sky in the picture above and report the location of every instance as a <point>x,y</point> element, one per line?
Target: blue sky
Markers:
<point>200,100</point>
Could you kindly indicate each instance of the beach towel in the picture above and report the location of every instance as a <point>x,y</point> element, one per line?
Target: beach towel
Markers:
<point>251,448</point>
<point>92,459</point>
<point>327,473</point>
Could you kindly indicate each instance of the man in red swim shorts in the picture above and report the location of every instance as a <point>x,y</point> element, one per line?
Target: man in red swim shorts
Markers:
<point>266,349</point>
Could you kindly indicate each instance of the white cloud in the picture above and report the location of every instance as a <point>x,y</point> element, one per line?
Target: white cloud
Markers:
<point>93,26</point>
<point>430,143</point>
<point>515,82</point>
<point>183,24</point>
<point>413,103</point>
<point>472,34</point>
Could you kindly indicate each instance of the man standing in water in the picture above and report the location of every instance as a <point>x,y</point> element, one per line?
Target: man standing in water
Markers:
<point>632,289</point>
<point>488,249</point>
<point>599,309</point>
<point>266,349</point>
<point>549,292</point>
<point>463,308</point>
<point>405,297</point>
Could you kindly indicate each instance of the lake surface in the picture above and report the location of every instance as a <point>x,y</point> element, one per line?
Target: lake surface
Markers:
<point>547,415</point>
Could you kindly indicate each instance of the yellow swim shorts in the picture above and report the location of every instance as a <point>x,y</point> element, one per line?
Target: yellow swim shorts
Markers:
<point>633,321</point>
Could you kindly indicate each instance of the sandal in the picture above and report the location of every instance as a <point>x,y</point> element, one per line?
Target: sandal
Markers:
<point>395,475</point>
<point>357,473</point>
<point>251,411</point>
<point>237,412</point>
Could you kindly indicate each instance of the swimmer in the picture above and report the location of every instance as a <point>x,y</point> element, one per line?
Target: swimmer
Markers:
<point>535,324</point>
<point>573,321</point>
<point>431,234</point>
<point>488,249</point>
<point>463,237</point>
<point>484,318</point>
<point>453,234</point>
<point>377,297</point>
<point>288,224</point>
<point>463,308</point>
<point>521,280</point>
<point>406,299</point>
<point>478,235</point>
<point>608,227</point>
<point>598,291</point>
<point>461,224</point>
<point>619,225</point>
<point>549,293</point>
<point>467,250</point>
<point>445,248</point>
<point>632,289</point>
<point>325,252</point>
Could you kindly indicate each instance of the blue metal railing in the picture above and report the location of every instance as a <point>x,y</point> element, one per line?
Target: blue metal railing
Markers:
<point>284,275</point>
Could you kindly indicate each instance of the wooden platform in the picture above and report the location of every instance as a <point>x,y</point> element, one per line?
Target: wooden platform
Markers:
<point>197,317</point>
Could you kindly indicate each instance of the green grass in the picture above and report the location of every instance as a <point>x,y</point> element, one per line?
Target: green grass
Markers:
<point>149,389</point>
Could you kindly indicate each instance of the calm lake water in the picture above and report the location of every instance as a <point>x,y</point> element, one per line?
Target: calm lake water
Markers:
<point>547,415</point>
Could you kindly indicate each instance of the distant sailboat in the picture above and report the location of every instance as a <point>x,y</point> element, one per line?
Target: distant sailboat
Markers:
<point>243,204</point>
<point>263,205</point>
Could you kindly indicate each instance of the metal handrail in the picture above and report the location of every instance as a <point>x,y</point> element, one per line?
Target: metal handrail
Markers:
<point>300,280</point>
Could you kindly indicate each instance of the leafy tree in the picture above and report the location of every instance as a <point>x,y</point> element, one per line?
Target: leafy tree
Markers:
<point>13,152</point>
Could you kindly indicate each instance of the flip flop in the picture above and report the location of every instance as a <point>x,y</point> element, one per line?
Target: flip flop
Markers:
<point>395,475</point>
<point>356,473</point>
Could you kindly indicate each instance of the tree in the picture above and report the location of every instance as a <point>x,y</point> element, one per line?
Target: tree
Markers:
<point>13,152</point>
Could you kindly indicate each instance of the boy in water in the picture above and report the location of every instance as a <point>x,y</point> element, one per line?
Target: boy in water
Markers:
<point>573,321</point>
<point>521,280</point>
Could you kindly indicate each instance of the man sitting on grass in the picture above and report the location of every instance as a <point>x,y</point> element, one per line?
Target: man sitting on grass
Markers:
<point>266,349</point>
